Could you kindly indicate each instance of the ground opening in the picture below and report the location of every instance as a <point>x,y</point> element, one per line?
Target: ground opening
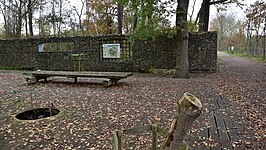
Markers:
<point>37,113</point>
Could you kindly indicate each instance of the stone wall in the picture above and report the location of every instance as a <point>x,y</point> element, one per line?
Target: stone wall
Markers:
<point>23,53</point>
<point>203,51</point>
<point>142,55</point>
<point>17,53</point>
<point>160,53</point>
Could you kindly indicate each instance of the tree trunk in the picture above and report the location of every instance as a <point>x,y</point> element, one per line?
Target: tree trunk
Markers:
<point>26,22</point>
<point>30,24</point>
<point>188,109</point>
<point>120,18</point>
<point>30,17</point>
<point>135,22</point>
<point>257,42</point>
<point>204,16</point>
<point>19,20</point>
<point>182,40</point>
<point>3,11</point>
<point>53,17</point>
<point>60,17</point>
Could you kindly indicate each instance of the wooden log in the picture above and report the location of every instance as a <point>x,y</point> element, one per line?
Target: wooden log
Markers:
<point>154,137</point>
<point>188,109</point>
<point>139,129</point>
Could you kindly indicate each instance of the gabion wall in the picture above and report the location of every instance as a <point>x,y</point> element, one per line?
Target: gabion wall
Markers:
<point>142,55</point>
<point>160,53</point>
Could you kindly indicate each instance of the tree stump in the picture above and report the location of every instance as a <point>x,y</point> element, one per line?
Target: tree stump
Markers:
<point>188,109</point>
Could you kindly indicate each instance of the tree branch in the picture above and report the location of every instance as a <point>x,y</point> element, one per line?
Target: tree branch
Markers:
<point>220,1</point>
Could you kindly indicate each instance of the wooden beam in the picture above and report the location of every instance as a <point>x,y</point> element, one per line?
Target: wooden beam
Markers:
<point>135,130</point>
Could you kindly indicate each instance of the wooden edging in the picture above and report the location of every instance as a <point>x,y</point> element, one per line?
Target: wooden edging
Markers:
<point>153,127</point>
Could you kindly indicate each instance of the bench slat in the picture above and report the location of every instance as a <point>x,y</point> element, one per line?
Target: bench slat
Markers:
<point>113,76</point>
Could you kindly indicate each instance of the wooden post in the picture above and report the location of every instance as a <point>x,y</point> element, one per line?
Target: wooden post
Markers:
<point>154,136</point>
<point>188,109</point>
<point>118,141</point>
<point>79,65</point>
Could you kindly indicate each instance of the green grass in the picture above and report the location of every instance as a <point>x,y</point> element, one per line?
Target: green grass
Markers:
<point>244,55</point>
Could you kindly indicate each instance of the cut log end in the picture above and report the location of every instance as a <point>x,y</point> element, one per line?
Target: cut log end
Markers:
<point>189,101</point>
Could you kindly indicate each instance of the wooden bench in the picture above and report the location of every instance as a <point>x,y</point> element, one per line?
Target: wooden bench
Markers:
<point>112,77</point>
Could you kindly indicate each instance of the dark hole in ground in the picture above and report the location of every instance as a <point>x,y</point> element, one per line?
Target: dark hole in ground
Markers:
<point>37,113</point>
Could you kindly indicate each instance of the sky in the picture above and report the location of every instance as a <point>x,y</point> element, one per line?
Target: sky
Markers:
<point>240,14</point>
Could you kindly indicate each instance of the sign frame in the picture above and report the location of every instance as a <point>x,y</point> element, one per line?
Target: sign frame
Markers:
<point>111,51</point>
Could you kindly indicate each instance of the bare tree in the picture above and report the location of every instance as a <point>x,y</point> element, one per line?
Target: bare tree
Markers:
<point>256,15</point>
<point>79,14</point>
<point>4,13</point>
<point>204,13</point>
<point>31,6</point>
<point>13,16</point>
<point>230,31</point>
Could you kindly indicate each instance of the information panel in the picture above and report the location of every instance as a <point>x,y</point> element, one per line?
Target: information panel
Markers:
<point>111,50</point>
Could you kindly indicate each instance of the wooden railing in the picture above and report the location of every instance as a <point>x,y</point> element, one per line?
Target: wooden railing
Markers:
<point>118,134</point>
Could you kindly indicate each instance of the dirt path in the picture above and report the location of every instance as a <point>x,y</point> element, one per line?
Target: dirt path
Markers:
<point>239,62</point>
<point>245,77</point>
<point>244,82</point>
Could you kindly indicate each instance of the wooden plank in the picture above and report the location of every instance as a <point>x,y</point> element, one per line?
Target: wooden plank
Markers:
<point>110,75</point>
<point>214,141</point>
<point>232,131</point>
<point>113,76</point>
<point>197,136</point>
<point>140,129</point>
<point>202,134</point>
<point>224,137</point>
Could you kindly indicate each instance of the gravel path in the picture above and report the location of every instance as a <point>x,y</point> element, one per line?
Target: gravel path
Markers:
<point>91,112</point>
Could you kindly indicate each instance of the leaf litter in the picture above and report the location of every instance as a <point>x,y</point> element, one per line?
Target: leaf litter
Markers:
<point>93,112</point>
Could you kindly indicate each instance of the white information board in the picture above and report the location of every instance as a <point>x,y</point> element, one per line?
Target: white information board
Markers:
<point>41,47</point>
<point>111,50</point>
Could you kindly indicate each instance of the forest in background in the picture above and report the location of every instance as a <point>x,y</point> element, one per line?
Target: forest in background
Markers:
<point>138,18</point>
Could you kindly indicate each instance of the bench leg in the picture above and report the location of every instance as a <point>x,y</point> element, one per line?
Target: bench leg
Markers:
<point>39,78</point>
<point>110,82</point>
<point>107,83</point>
<point>76,79</point>
<point>114,81</point>
<point>30,79</point>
